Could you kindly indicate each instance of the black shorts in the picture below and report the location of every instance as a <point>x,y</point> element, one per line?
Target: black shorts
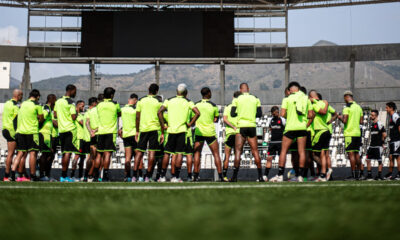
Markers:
<point>294,147</point>
<point>296,134</point>
<point>45,142</point>
<point>27,142</point>
<point>93,141</point>
<point>149,141</point>
<point>106,142</point>
<point>353,144</point>
<point>84,147</point>
<point>55,142</point>
<point>189,146</point>
<point>321,141</point>
<point>208,140</point>
<point>274,149</point>
<point>160,154</point>
<point>130,142</point>
<point>374,153</point>
<point>230,141</point>
<point>309,141</point>
<point>394,148</point>
<point>248,132</point>
<point>175,143</point>
<point>8,136</point>
<point>69,142</point>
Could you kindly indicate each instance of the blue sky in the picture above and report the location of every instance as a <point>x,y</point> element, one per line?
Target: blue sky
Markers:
<point>366,24</point>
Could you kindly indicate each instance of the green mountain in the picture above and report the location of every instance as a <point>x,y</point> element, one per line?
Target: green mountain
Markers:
<point>259,77</point>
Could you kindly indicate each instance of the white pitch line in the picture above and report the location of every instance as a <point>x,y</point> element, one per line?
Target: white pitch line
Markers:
<point>196,187</point>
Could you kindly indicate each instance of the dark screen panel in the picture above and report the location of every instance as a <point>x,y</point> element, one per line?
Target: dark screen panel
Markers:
<point>97,34</point>
<point>219,34</point>
<point>157,34</point>
<point>168,34</point>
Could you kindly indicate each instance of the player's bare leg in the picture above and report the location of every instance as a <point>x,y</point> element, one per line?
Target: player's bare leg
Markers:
<point>74,164</point>
<point>137,163</point>
<point>151,159</point>
<point>397,159</point>
<point>214,147</point>
<point>89,165</point>
<point>391,166</point>
<point>44,163</point>
<point>19,163</point>
<point>128,158</point>
<point>173,160</point>
<point>257,160</point>
<point>239,143</point>
<point>189,164</point>
<point>286,142</point>
<point>268,166</point>
<point>106,165</point>
<point>65,162</point>
<point>353,165</point>
<point>140,169</point>
<point>328,165</point>
<point>198,147</point>
<point>301,146</point>
<point>177,165</point>
<point>11,146</point>
<point>227,151</point>
<point>295,162</point>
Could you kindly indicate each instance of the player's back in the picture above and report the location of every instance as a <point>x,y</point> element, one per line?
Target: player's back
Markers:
<point>65,108</point>
<point>148,107</point>
<point>179,110</point>
<point>128,117</point>
<point>246,109</point>
<point>108,115</point>
<point>205,123</point>
<point>352,126</point>
<point>28,122</point>
<point>10,112</point>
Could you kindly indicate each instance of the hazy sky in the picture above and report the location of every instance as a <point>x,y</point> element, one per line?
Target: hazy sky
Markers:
<point>367,24</point>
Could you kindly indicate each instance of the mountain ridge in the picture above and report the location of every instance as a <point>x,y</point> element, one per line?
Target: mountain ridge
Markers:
<point>261,77</point>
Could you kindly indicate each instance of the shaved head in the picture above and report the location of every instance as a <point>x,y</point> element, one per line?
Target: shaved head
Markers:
<point>17,94</point>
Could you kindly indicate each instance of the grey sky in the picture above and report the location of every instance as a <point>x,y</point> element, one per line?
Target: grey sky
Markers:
<point>367,24</point>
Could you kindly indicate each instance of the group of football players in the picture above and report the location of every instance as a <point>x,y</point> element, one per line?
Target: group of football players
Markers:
<point>176,127</point>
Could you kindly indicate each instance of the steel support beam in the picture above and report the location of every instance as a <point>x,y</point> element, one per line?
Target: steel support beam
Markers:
<point>26,85</point>
<point>92,79</point>
<point>222,83</point>
<point>217,4</point>
<point>287,63</point>
<point>317,54</point>
<point>251,30</point>
<point>157,72</point>
<point>368,52</point>
<point>286,30</point>
<point>287,73</point>
<point>352,72</point>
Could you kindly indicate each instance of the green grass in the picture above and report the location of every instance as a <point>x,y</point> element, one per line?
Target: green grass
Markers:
<point>336,211</point>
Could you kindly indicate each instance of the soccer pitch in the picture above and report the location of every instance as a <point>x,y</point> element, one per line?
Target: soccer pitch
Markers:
<point>334,210</point>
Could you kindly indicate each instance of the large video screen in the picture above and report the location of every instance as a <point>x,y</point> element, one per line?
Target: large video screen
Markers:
<point>157,34</point>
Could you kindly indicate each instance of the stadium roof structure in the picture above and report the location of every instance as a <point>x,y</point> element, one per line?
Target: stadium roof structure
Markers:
<point>238,4</point>
<point>266,52</point>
